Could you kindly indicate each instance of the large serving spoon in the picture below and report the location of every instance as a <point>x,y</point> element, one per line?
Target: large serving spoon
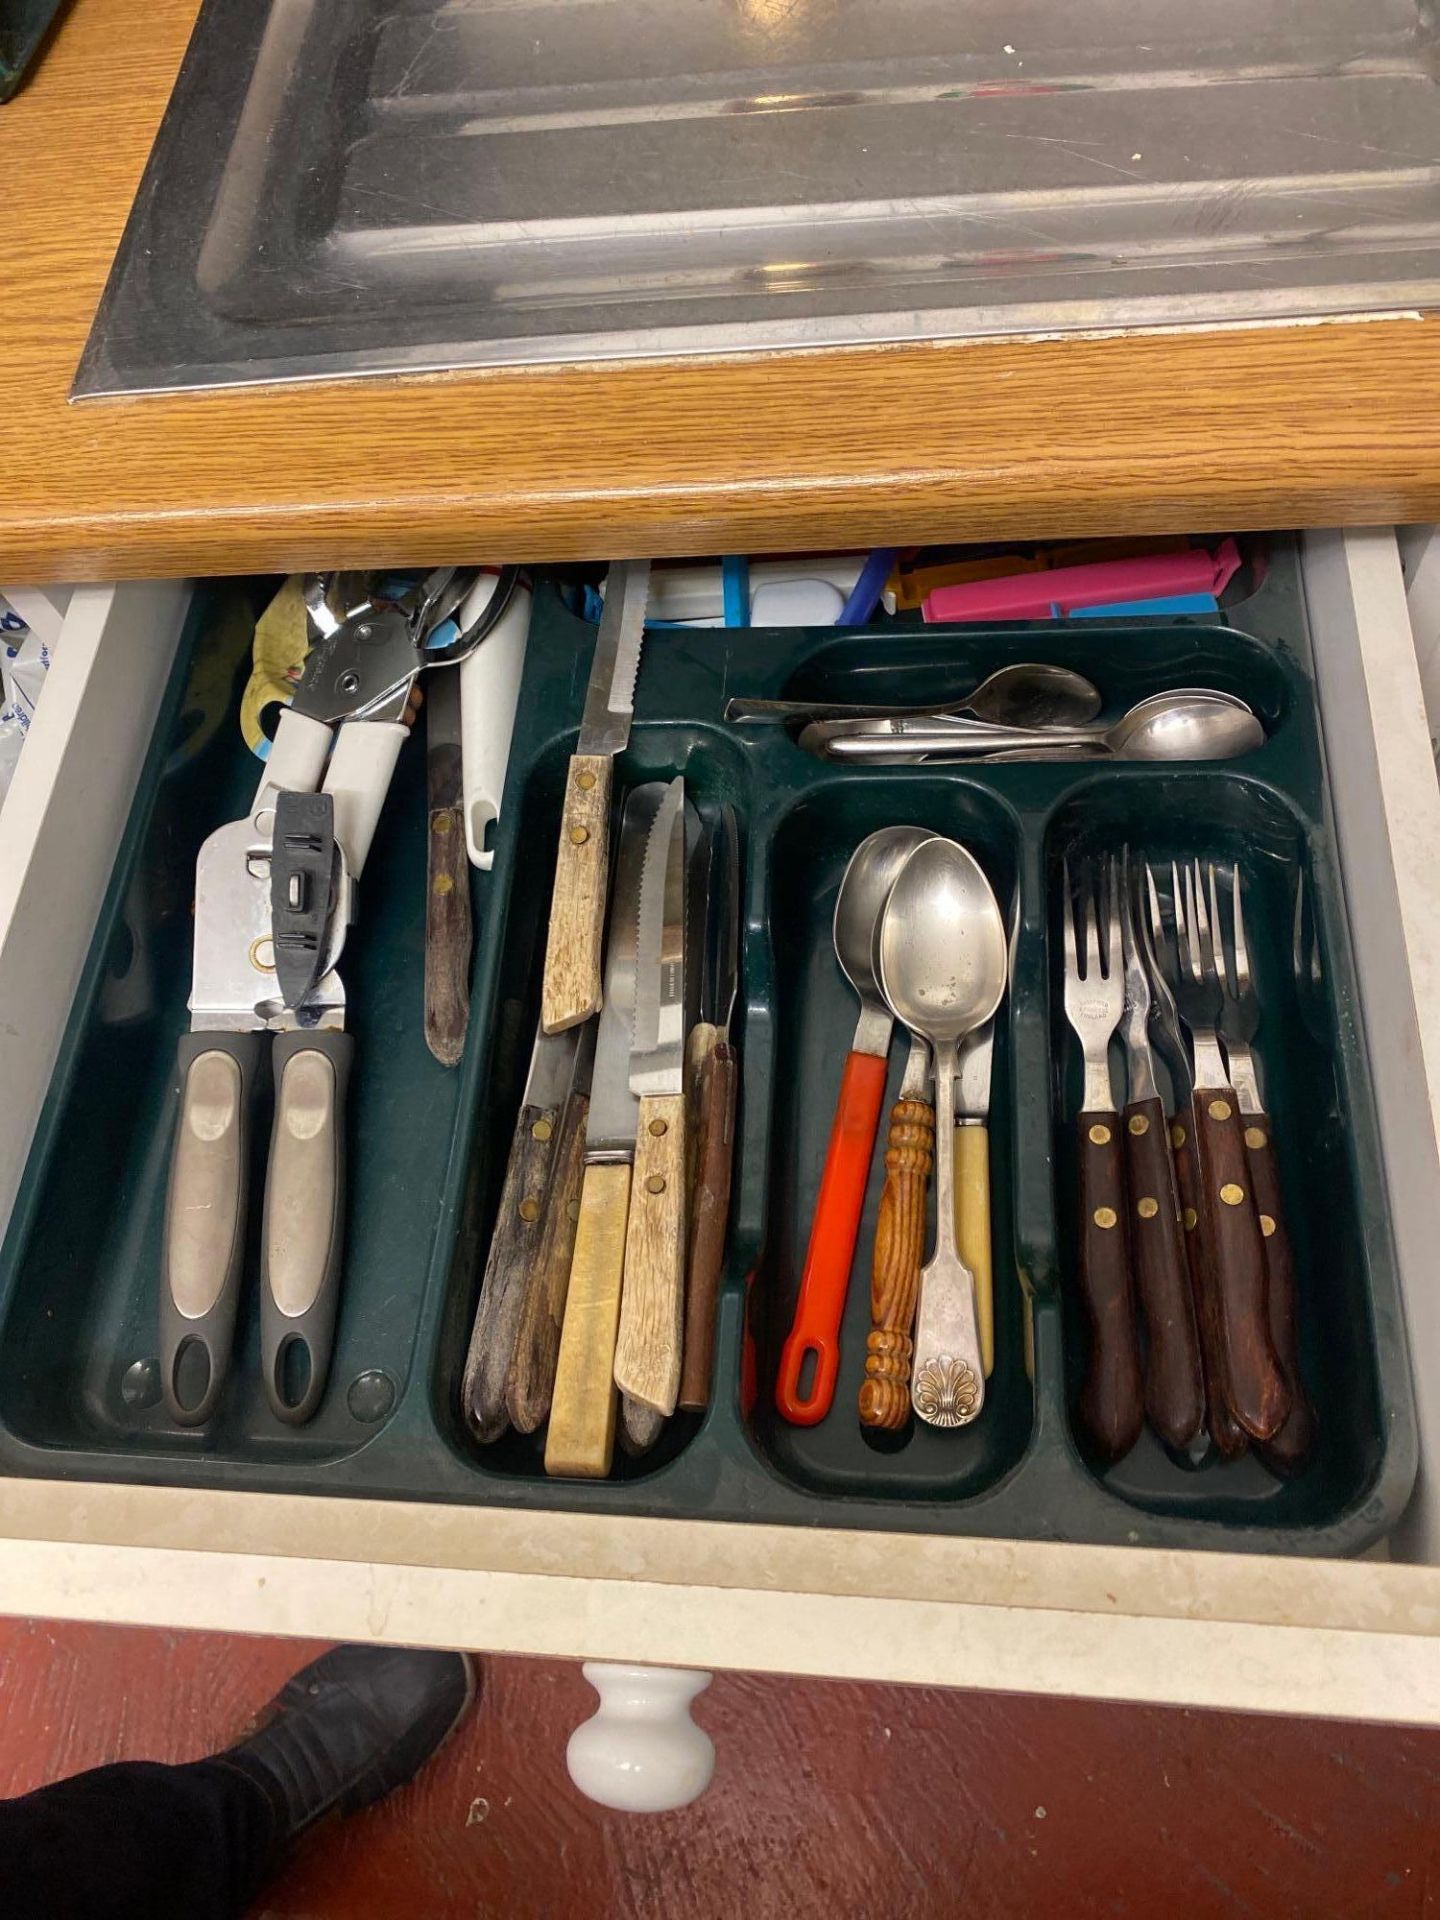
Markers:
<point>943,961</point>
<point>813,1343</point>
<point>1025,694</point>
<point>1184,723</point>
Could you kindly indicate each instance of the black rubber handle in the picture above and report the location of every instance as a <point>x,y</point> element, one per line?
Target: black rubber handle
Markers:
<point>304,1220</point>
<point>204,1243</point>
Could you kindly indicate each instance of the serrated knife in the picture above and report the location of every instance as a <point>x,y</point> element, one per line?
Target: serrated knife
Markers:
<point>652,1305</point>
<point>572,986</point>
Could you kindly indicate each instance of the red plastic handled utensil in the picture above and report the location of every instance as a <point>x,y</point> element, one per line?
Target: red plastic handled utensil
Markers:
<point>833,1233</point>
<point>815,1334</point>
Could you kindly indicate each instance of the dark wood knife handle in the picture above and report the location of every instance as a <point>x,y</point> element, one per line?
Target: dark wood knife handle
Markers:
<point>1258,1395</point>
<point>1112,1409</point>
<point>895,1268</point>
<point>1226,1434</point>
<point>1174,1387</point>
<point>531,1379</point>
<point>1288,1450</point>
<point>513,1249</point>
<point>447,937</point>
<point>717,1079</point>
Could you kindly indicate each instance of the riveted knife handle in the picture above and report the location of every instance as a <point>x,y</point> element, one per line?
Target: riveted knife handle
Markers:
<point>712,1147</point>
<point>1226,1434</point>
<point>815,1331</point>
<point>531,1379</point>
<point>971,1149</point>
<point>895,1269</point>
<point>304,1220</point>
<point>204,1245</point>
<point>447,936</point>
<point>514,1249</point>
<point>1257,1391</point>
<point>1111,1408</point>
<point>1287,1451</point>
<point>571,990</point>
<point>581,1438</point>
<point>1174,1386</point>
<point>652,1306</point>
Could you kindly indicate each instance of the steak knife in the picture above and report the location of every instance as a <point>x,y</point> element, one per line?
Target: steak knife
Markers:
<point>447,879</point>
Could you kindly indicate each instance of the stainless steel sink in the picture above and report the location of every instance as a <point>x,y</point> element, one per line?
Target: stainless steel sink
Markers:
<point>358,186</point>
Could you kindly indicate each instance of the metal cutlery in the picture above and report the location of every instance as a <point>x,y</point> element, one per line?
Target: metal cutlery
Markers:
<point>1173,1384</point>
<point>447,877</point>
<point>572,984</point>
<point>1111,1404</point>
<point>1257,1393</point>
<point>1025,693</point>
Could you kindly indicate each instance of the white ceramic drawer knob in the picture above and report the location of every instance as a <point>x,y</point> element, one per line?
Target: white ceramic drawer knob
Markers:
<point>640,1751</point>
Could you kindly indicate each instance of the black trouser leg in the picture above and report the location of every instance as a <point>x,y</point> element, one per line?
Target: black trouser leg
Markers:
<point>137,1841</point>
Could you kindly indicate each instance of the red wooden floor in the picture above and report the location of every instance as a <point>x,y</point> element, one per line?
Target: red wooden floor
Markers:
<point>828,1798</point>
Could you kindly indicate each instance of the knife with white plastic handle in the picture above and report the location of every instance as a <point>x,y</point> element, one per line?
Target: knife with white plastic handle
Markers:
<point>652,1306</point>
<point>572,988</point>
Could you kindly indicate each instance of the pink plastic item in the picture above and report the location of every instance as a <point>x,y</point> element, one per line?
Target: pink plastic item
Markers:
<point>1035,596</point>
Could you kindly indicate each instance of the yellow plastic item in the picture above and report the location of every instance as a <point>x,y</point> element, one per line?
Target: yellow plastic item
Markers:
<point>282,639</point>
<point>972,1228</point>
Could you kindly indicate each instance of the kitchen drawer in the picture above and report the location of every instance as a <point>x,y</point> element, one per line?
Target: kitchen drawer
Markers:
<point>1359,1638</point>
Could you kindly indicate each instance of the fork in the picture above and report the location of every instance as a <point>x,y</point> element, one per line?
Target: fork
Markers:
<point>1257,1392</point>
<point>1111,1405</point>
<point>1174,1391</point>
<point>1287,1451</point>
<point>1162,958</point>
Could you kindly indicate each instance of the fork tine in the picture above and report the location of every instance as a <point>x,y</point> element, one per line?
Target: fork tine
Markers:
<point>1184,897</point>
<point>1116,942</point>
<point>1217,935</point>
<point>1067,919</point>
<point>1158,943</point>
<point>1202,936</point>
<point>1092,935</point>
<point>1242,954</point>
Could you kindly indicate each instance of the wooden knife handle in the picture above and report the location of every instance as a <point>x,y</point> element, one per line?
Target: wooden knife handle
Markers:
<point>1259,1397</point>
<point>1174,1387</point>
<point>652,1307</point>
<point>447,936</point>
<point>1226,1434</point>
<point>895,1269</point>
<point>1112,1408</point>
<point>640,1427</point>
<point>712,1146</point>
<point>508,1267</point>
<point>571,990</point>
<point>972,1227</point>
<point>581,1437</point>
<point>1288,1450</point>
<point>531,1379</point>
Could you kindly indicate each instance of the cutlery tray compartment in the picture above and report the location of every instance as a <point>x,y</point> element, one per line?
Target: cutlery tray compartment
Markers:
<point>78,1270</point>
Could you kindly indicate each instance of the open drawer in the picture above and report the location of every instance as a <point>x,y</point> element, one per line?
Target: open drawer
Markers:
<point>1158,1622</point>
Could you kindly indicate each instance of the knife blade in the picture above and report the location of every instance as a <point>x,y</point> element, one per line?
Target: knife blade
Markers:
<point>515,1245</point>
<point>581,1437</point>
<point>714,1087</point>
<point>572,985</point>
<point>647,1351</point>
<point>448,933</point>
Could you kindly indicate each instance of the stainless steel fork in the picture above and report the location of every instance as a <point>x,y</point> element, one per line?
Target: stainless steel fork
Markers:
<point>1111,1406</point>
<point>1174,1390</point>
<point>1257,1391</point>
<point>1289,1449</point>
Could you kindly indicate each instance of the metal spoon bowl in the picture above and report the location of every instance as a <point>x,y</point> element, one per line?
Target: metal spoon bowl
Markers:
<point>864,889</point>
<point>1026,693</point>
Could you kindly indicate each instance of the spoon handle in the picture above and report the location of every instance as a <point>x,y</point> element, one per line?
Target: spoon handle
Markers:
<point>814,1336</point>
<point>895,1274</point>
<point>1111,1406</point>
<point>948,1388</point>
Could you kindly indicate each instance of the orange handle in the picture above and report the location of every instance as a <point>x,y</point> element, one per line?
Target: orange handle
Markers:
<point>833,1233</point>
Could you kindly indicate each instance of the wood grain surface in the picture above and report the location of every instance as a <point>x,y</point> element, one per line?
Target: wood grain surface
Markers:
<point>895,1265</point>
<point>575,943</point>
<point>892,1802</point>
<point>1275,426</point>
<point>581,1436</point>
<point>652,1306</point>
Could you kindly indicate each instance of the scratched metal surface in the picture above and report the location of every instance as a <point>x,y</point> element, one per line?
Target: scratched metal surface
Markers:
<point>354,186</point>
<point>829,1798</point>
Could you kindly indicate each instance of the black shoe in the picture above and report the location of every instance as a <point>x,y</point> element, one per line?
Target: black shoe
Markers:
<point>351,1727</point>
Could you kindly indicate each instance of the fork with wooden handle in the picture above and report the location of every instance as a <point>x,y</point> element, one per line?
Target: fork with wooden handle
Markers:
<point>899,1249</point>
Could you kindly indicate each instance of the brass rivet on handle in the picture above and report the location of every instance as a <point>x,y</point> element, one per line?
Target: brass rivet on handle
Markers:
<point>658,1127</point>
<point>1267,1225</point>
<point>1100,1135</point>
<point>1139,1124</point>
<point>655,1184</point>
<point>1105,1216</point>
<point>541,1130</point>
<point>1147,1208</point>
<point>578,836</point>
<point>443,885</point>
<point>1254,1136</point>
<point>1219,1109</point>
<point>1232,1194</point>
<point>585,781</point>
<point>440,822</point>
<point>530,1208</point>
<point>1191,1219</point>
<point>1177,1136</point>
